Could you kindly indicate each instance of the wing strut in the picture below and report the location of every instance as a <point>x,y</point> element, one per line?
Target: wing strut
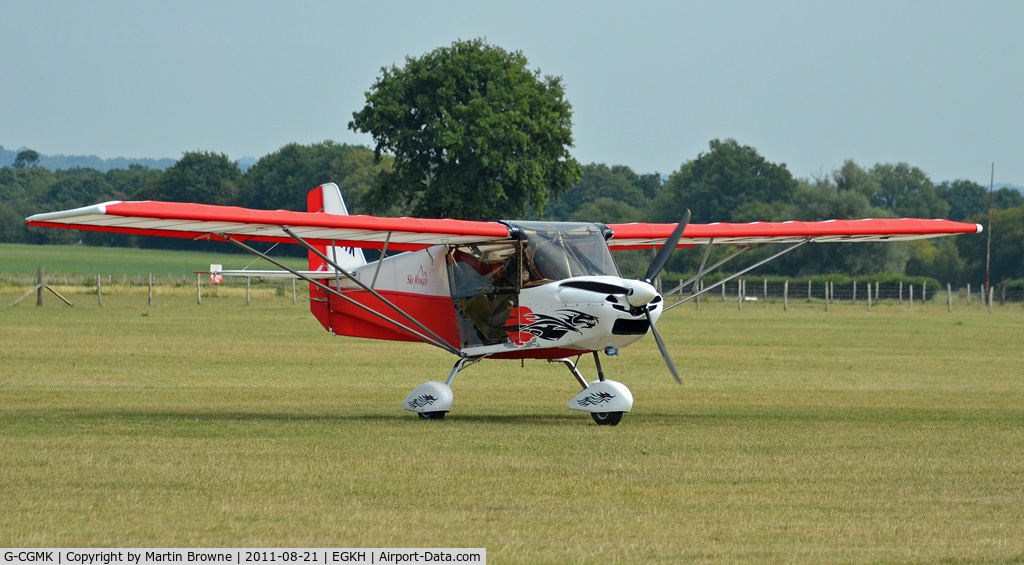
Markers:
<point>337,268</point>
<point>380,261</point>
<point>436,341</point>
<point>700,270</point>
<point>694,279</point>
<point>743,272</point>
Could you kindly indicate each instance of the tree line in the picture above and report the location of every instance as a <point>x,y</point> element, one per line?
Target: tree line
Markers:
<point>469,131</point>
<point>729,182</point>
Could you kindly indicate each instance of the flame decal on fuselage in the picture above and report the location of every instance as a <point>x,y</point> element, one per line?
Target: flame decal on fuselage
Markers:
<point>523,325</point>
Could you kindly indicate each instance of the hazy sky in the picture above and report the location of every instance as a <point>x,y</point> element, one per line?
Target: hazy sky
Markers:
<point>939,85</point>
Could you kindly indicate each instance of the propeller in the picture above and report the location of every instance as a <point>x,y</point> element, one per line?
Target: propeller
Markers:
<point>640,293</point>
<point>666,250</point>
<point>660,259</point>
<point>661,346</point>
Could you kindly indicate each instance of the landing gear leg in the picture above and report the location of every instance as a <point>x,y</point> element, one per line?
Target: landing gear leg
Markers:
<point>433,399</point>
<point>606,400</point>
<point>604,418</point>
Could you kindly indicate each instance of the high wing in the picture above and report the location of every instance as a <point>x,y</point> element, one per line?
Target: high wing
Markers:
<point>204,221</point>
<point>645,236</point>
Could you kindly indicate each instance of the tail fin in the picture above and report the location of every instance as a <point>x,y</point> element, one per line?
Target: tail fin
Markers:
<point>327,198</point>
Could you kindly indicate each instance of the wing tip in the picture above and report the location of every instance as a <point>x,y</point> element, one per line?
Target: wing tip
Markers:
<point>95,209</point>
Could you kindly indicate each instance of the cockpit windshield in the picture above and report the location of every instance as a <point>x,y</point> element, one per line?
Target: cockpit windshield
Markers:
<point>556,251</point>
<point>486,278</point>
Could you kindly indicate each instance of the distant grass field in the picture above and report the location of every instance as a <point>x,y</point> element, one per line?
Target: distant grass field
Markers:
<point>120,262</point>
<point>799,436</point>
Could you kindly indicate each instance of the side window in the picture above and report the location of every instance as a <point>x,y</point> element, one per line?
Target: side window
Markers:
<point>479,269</point>
<point>485,289</point>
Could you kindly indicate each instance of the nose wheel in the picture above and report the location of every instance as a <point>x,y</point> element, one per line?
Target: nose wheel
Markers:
<point>607,418</point>
<point>606,400</point>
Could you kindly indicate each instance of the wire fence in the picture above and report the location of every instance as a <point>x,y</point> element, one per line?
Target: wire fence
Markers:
<point>754,289</point>
<point>201,284</point>
<point>750,289</point>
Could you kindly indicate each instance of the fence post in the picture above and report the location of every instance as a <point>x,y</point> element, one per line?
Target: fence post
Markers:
<point>41,289</point>
<point>199,289</point>
<point>968,294</point>
<point>766,289</point>
<point>991,290</point>
<point>828,289</point>
<point>150,289</point>
<point>808,290</point>
<point>924,292</point>
<point>911,298</point>
<point>901,292</point>
<point>869,297</point>
<point>785,296</point>
<point>854,301</point>
<point>949,297</point>
<point>247,279</point>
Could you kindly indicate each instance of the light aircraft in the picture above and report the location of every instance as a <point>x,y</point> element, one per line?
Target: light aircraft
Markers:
<point>482,290</point>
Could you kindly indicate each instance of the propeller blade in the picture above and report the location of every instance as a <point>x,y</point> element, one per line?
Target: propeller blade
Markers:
<point>661,346</point>
<point>666,250</point>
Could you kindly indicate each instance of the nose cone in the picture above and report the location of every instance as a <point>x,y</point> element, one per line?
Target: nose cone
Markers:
<point>640,293</point>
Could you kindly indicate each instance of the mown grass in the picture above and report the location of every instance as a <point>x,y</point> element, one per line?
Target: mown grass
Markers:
<point>799,436</point>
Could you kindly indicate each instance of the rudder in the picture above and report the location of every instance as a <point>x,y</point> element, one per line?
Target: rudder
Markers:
<point>327,199</point>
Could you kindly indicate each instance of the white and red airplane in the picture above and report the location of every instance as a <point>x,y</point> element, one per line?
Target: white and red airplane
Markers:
<point>481,290</point>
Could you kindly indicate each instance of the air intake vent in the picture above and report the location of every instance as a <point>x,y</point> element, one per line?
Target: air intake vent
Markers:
<point>631,327</point>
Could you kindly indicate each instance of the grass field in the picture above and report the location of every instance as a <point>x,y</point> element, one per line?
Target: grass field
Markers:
<point>22,261</point>
<point>883,436</point>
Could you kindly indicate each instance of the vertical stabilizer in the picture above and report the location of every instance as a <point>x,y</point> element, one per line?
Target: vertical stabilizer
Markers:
<point>327,199</point>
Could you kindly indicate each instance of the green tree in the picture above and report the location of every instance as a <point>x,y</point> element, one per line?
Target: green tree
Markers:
<point>1007,247</point>
<point>606,211</point>
<point>598,181</point>
<point>206,178</point>
<point>23,193</point>
<point>474,134</point>
<point>127,182</point>
<point>12,226</point>
<point>355,172</point>
<point>281,180</point>
<point>851,177</point>
<point>26,159</point>
<point>727,183</point>
<point>965,198</point>
<point>78,187</point>
<point>907,191</point>
<point>1006,198</point>
<point>845,196</point>
<point>939,259</point>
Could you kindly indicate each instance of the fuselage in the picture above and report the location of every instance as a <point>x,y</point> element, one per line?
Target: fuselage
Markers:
<point>554,291</point>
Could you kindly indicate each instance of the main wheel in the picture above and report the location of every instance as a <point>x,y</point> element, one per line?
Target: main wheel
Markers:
<point>607,418</point>
<point>432,415</point>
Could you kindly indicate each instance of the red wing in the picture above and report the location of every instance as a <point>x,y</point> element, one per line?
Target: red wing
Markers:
<point>203,221</point>
<point>645,236</point>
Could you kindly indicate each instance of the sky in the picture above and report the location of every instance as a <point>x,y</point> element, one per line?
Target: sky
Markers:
<point>933,83</point>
